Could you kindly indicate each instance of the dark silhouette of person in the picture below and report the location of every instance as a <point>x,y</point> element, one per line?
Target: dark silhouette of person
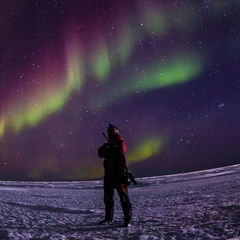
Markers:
<point>115,176</point>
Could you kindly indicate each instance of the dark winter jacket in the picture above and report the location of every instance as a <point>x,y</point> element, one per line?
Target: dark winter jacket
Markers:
<point>113,153</point>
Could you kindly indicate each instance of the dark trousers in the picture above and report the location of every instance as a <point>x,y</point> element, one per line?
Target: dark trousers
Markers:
<point>109,188</point>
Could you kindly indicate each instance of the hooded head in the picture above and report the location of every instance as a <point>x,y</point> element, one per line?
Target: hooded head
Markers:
<point>112,131</point>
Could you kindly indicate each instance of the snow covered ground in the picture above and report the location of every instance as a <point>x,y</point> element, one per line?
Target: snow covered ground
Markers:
<point>200,205</point>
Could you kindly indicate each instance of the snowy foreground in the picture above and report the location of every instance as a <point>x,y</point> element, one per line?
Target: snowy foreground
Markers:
<point>200,205</point>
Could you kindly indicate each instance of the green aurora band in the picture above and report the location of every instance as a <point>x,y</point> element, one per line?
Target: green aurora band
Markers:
<point>105,56</point>
<point>145,149</point>
<point>32,111</point>
<point>177,71</point>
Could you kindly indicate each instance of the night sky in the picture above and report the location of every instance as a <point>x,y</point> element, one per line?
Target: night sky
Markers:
<point>165,72</point>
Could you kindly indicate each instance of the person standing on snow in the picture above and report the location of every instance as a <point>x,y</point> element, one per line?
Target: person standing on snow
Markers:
<point>115,176</point>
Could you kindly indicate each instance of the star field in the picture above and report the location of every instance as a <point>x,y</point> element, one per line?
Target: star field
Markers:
<point>166,73</point>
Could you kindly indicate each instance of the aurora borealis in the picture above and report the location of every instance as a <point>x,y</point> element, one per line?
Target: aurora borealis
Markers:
<point>165,72</point>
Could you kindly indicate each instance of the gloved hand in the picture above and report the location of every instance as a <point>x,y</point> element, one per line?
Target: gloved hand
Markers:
<point>103,150</point>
